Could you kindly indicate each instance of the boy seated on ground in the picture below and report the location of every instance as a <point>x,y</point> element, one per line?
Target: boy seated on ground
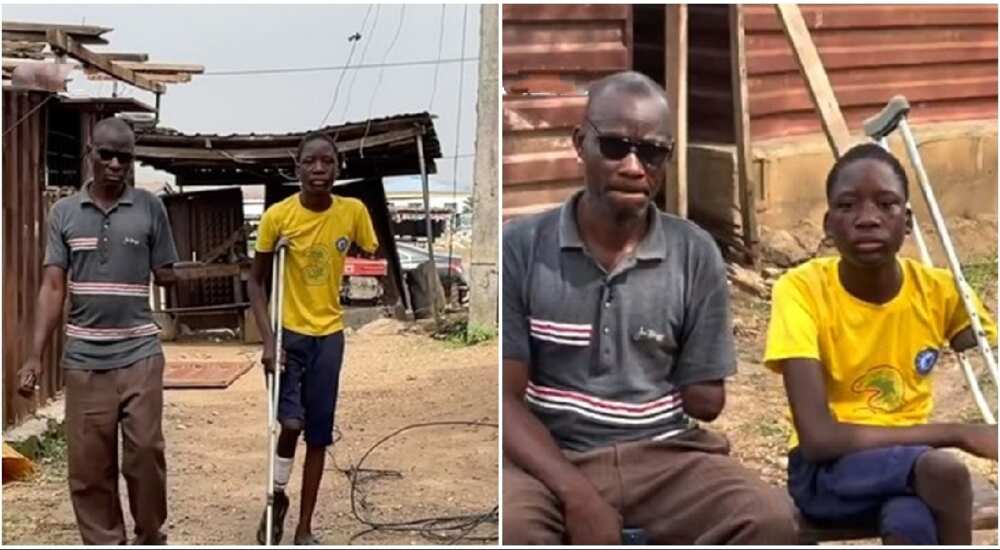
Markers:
<point>856,339</point>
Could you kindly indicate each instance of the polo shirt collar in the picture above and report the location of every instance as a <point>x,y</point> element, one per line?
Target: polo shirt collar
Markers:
<point>126,197</point>
<point>652,247</point>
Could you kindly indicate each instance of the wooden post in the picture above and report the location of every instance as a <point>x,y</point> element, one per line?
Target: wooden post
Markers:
<point>741,126</point>
<point>817,81</point>
<point>676,34</point>
<point>434,283</point>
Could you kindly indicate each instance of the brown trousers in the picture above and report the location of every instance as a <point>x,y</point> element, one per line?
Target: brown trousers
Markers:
<point>682,491</point>
<point>97,401</point>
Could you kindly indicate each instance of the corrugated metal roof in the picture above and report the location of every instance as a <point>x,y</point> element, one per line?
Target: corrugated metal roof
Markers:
<point>106,105</point>
<point>377,147</point>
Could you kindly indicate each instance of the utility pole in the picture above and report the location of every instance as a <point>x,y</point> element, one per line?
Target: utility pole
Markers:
<point>484,290</point>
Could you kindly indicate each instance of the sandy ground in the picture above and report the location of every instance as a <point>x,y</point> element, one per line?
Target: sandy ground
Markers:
<point>216,455</point>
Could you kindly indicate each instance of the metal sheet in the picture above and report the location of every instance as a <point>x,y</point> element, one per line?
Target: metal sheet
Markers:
<point>943,58</point>
<point>203,374</point>
<point>550,54</point>
<point>24,224</point>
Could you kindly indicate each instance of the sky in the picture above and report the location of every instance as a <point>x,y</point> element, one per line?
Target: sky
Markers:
<point>226,38</point>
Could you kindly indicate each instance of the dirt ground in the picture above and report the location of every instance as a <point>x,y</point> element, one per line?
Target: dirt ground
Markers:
<point>216,456</point>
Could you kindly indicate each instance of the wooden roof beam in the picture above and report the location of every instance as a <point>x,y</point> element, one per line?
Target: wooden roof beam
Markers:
<point>62,42</point>
<point>141,57</point>
<point>161,67</point>
<point>35,32</point>
<point>176,78</point>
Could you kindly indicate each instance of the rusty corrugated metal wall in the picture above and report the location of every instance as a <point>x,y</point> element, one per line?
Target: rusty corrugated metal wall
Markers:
<point>550,54</point>
<point>942,57</point>
<point>24,233</point>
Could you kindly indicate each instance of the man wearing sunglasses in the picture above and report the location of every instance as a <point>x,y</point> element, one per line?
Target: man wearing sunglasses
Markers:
<point>616,342</point>
<point>106,240</point>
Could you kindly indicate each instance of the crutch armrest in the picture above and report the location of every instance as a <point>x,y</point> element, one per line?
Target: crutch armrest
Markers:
<point>886,120</point>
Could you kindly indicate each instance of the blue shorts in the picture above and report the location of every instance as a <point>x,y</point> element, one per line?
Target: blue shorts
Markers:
<point>866,488</point>
<point>309,383</point>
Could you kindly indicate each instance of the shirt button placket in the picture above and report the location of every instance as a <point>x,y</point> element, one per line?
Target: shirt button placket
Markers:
<point>605,321</point>
<point>105,244</point>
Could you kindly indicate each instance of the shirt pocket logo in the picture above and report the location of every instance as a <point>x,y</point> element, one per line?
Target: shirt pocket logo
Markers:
<point>343,244</point>
<point>925,360</point>
<point>131,241</point>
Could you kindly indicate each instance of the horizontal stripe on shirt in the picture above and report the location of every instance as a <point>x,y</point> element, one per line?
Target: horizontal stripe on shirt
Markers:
<point>111,334</point>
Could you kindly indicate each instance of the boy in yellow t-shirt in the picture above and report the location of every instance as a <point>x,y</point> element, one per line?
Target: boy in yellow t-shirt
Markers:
<point>857,339</point>
<point>319,228</point>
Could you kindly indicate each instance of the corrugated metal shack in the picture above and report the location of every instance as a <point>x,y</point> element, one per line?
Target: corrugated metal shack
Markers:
<point>942,57</point>
<point>45,139</point>
<point>203,221</point>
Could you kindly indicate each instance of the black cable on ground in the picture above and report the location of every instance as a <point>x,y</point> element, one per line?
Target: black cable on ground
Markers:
<point>440,529</point>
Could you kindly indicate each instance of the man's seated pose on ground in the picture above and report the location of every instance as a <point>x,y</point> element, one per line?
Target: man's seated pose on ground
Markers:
<point>616,339</point>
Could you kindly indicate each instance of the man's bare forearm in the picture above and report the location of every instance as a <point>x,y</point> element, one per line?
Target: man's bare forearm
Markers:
<point>48,309</point>
<point>529,445</point>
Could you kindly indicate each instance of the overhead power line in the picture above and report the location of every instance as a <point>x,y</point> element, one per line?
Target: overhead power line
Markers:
<point>425,62</point>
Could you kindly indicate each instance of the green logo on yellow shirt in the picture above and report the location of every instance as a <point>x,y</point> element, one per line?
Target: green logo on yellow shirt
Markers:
<point>884,387</point>
<point>317,268</point>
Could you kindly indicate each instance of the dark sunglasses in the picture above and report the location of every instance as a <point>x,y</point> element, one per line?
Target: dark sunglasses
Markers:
<point>649,153</point>
<point>107,154</point>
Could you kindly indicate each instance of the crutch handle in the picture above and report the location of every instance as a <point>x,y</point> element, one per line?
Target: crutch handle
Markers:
<point>282,243</point>
<point>886,120</point>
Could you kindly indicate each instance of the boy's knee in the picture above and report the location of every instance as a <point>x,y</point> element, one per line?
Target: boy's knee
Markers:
<point>292,424</point>
<point>940,473</point>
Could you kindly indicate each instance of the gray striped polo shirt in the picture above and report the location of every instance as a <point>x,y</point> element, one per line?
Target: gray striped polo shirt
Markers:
<point>607,352</point>
<point>108,257</point>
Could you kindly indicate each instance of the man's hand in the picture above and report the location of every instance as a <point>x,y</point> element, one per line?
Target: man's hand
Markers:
<point>267,358</point>
<point>590,520</point>
<point>980,440</point>
<point>28,377</point>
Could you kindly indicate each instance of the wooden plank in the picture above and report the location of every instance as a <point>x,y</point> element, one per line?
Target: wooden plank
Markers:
<point>62,42</point>
<point>741,124</point>
<point>203,309</point>
<point>82,30</point>
<point>207,271</point>
<point>122,56</point>
<point>984,518</point>
<point>676,84</point>
<point>817,81</point>
<point>39,36</point>
<point>161,67</point>
<point>96,75</point>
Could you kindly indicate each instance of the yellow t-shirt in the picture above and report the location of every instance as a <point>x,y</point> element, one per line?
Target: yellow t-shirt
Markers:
<point>318,245</point>
<point>877,358</point>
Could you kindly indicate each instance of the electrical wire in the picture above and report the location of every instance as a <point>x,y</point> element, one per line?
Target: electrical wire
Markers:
<point>458,135</point>
<point>446,529</point>
<point>357,69</point>
<point>392,44</point>
<point>26,115</point>
<point>437,67</point>
<point>251,72</point>
<point>350,55</point>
